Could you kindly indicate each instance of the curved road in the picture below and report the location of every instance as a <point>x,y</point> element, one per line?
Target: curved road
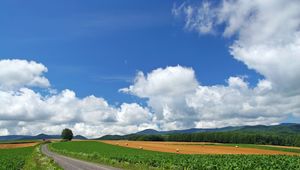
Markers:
<point>68,163</point>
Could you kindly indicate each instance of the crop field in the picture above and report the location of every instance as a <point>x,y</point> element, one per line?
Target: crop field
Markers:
<point>14,159</point>
<point>16,145</point>
<point>200,148</point>
<point>25,155</point>
<point>130,158</point>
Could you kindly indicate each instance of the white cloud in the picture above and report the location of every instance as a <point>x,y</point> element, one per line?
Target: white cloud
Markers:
<point>184,103</point>
<point>133,114</point>
<point>28,112</point>
<point>25,111</point>
<point>266,33</point>
<point>166,89</point>
<point>3,132</point>
<point>19,73</point>
<point>266,38</point>
<point>199,19</point>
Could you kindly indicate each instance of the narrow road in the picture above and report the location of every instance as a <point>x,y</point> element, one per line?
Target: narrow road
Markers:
<point>68,163</point>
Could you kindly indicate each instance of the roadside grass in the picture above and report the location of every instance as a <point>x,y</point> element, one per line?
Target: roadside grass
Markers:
<point>38,161</point>
<point>129,158</point>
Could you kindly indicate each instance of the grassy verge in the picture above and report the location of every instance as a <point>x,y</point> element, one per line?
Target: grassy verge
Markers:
<point>38,161</point>
<point>129,158</point>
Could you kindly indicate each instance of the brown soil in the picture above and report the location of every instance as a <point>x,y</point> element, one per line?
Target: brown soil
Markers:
<point>193,148</point>
<point>19,145</point>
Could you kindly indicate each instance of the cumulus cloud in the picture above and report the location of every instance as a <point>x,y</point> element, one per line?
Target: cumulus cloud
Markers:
<point>264,39</point>
<point>187,104</point>
<point>25,111</point>
<point>19,73</point>
<point>266,34</point>
<point>165,90</point>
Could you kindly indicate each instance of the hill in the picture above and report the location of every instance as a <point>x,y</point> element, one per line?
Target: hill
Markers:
<point>285,128</point>
<point>148,134</point>
<point>37,137</point>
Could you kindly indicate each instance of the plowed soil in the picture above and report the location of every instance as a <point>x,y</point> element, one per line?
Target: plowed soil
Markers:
<point>193,148</point>
<point>19,145</point>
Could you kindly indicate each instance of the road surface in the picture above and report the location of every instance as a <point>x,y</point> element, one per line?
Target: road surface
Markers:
<point>68,163</point>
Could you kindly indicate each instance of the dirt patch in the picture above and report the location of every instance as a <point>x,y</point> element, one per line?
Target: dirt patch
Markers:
<point>194,148</point>
<point>19,145</point>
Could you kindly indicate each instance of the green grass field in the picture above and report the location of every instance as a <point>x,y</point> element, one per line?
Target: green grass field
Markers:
<point>27,158</point>
<point>14,159</point>
<point>129,158</point>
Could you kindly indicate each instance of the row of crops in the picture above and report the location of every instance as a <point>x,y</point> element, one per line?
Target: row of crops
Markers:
<point>14,158</point>
<point>27,158</point>
<point>129,158</point>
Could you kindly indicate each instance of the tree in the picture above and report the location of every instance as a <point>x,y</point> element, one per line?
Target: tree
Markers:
<point>67,134</point>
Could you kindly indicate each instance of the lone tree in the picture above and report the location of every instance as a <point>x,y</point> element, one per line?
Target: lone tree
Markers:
<point>67,134</point>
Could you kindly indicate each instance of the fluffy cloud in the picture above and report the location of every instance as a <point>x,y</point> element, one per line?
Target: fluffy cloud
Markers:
<point>19,73</point>
<point>266,40</point>
<point>165,90</point>
<point>25,111</point>
<point>187,104</point>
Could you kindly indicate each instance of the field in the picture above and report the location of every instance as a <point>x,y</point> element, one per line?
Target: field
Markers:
<point>199,148</point>
<point>15,155</point>
<point>16,145</point>
<point>14,158</point>
<point>130,158</point>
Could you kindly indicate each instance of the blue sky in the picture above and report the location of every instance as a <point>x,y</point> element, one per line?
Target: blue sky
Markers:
<point>117,67</point>
<point>96,47</point>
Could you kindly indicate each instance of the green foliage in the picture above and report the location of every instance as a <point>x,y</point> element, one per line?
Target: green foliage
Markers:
<point>67,134</point>
<point>18,141</point>
<point>147,137</point>
<point>38,161</point>
<point>14,159</point>
<point>252,137</point>
<point>283,134</point>
<point>129,158</point>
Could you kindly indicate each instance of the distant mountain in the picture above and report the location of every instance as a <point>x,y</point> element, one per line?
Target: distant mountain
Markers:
<point>155,132</point>
<point>80,137</point>
<point>192,130</point>
<point>149,132</point>
<point>111,137</point>
<point>37,137</point>
<point>286,128</point>
<point>12,137</point>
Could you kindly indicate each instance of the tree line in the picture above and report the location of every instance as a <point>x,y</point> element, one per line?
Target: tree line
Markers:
<point>225,137</point>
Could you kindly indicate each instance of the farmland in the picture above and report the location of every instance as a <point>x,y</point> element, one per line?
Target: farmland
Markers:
<point>14,158</point>
<point>202,148</point>
<point>16,145</point>
<point>18,155</point>
<point>130,158</point>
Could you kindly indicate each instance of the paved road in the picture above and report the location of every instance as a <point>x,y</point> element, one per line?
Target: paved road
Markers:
<point>68,163</point>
